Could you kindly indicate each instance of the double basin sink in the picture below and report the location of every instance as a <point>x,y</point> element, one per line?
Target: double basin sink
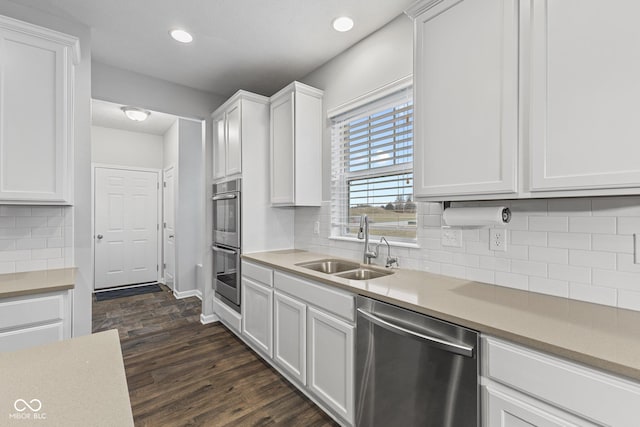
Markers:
<point>344,269</point>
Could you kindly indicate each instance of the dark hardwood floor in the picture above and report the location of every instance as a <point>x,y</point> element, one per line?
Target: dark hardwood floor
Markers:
<point>183,373</point>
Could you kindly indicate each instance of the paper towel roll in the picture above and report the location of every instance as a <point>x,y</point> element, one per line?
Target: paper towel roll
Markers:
<point>476,216</point>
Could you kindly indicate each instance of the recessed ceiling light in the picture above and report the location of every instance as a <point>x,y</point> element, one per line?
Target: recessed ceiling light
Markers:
<point>181,36</point>
<point>342,24</point>
<point>136,114</point>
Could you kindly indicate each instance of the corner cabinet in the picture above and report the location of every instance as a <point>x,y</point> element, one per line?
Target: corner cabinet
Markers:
<point>466,97</point>
<point>232,121</point>
<point>36,118</point>
<point>296,146</point>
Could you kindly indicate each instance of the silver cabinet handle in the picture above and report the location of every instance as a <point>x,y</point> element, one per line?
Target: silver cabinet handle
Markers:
<point>460,349</point>
<point>223,250</point>
<point>171,236</point>
<point>99,236</point>
<point>225,196</point>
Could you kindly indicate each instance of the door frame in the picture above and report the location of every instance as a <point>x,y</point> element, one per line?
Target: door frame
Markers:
<point>175,223</point>
<point>159,177</point>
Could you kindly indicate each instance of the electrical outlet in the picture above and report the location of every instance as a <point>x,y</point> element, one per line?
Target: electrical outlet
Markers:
<point>498,239</point>
<point>316,228</point>
<point>451,237</point>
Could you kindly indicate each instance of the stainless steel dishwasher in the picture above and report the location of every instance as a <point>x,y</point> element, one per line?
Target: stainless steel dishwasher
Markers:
<point>414,370</point>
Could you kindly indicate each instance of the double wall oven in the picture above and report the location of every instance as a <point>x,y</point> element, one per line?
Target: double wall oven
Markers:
<point>227,241</point>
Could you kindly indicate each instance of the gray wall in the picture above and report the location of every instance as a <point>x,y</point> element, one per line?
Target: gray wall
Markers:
<point>126,148</point>
<point>380,59</point>
<point>82,240</point>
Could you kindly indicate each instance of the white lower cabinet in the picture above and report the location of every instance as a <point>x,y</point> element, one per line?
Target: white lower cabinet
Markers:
<point>290,335</point>
<point>257,315</point>
<point>32,320</point>
<point>331,355</point>
<point>524,387</point>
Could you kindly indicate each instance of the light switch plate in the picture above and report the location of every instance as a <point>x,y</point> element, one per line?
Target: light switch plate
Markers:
<point>498,239</point>
<point>316,228</point>
<point>451,237</point>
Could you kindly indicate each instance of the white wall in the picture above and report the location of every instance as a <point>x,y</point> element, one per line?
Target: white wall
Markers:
<point>578,248</point>
<point>126,148</point>
<point>170,146</point>
<point>81,211</point>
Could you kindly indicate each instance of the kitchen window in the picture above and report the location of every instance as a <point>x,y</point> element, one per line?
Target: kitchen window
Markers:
<point>372,165</point>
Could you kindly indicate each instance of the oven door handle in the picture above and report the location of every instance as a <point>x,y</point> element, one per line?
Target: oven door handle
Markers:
<point>223,250</point>
<point>460,349</point>
<point>227,196</point>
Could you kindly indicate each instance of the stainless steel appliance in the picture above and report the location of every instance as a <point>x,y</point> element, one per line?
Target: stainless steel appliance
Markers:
<point>414,370</point>
<point>227,241</point>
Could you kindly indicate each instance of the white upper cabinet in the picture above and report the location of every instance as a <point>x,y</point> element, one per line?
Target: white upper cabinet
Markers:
<point>36,113</point>
<point>234,120</point>
<point>296,146</point>
<point>585,127</point>
<point>466,97</point>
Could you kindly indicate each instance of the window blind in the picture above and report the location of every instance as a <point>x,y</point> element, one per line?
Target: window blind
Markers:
<point>372,168</point>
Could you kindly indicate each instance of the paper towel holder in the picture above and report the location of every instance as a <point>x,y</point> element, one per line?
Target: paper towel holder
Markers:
<point>506,212</point>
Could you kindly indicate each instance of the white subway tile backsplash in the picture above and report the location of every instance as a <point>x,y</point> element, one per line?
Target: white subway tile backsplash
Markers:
<point>46,211</point>
<point>529,268</point>
<point>15,211</point>
<point>7,245</point>
<point>55,263</point>
<point>549,255</point>
<point>530,238</point>
<point>593,225</point>
<point>7,221</point>
<point>31,243</point>
<point>31,265</point>
<point>17,255</point>
<point>31,221</point>
<point>629,225</point>
<point>14,233</point>
<point>569,240</point>
<point>58,221</point>
<point>558,288</point>
<point>46,253</point>
<point>46,232</point>
<point>569,273</point>
<point>579,248</point>
<point>594,294</point>
<point>613,243</point>
<point>55,242</point>
<point>7,267</point>
<point>592,259</point>
<point>617,279</point>
<point>548,223</point>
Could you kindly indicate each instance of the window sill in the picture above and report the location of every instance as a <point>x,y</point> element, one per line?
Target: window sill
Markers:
<point>391,243</point>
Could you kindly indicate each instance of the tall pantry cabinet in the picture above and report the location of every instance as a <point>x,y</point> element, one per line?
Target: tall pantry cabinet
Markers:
<point>36,113</point>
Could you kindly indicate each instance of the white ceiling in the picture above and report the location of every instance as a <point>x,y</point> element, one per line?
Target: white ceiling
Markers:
<point>109,115</point>
<point>256,45</point>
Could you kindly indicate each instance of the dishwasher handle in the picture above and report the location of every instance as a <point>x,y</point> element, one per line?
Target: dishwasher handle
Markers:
<point>461,349</point>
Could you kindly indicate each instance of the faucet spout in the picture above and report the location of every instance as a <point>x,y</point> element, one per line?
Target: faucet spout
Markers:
<point>363,233</point>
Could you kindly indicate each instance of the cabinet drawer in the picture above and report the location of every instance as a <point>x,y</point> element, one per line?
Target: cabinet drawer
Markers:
<point>586,392</point>
<point>334,301</point>
<point>227,315</point>
<point>22,311</point>
<point>28,337</point>
<point>263,275</point>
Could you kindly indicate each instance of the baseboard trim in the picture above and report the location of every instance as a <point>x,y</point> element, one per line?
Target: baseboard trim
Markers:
<point>199,294</point>
<point>185,294</point>
<point>211,318</point>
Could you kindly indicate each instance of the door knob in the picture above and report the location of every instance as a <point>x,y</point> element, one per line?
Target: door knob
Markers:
<point>99,236</point>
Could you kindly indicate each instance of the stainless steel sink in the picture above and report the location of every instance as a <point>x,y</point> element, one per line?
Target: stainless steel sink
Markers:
<point>364,274</point>
<point>329,266</point>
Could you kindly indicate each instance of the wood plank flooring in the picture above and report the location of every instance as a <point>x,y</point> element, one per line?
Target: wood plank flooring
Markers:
<point>183,373</point>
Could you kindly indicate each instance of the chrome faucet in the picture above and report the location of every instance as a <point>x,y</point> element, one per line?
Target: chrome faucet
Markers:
<point>390,259</point>
<point>363,233</point>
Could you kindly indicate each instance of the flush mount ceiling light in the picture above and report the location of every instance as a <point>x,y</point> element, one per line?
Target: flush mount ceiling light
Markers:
<point>136,114</point>
<point>342,24</point>
<point>181,36</point>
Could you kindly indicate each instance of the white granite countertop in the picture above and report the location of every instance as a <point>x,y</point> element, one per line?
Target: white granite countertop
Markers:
<point>77,382</point>
<point>600,336</point>
<point>36,282</point>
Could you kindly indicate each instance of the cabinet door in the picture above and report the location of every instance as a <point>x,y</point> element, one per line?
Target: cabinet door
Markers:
<point>234,139</point>
<point>466,98</point>
<point>257,314</point>
<point>584,96</point>
<point>219,146</point>
<point>330,375</point>
<point>36,128</point>
<point>282,150</point>
<point>290,335</point>
<point>506,410</point>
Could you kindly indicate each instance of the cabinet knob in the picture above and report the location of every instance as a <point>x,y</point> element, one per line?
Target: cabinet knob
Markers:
<point>99,236</point>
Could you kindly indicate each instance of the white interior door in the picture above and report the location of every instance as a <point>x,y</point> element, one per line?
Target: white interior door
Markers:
<point>169,235</point>
<point>126,227</point>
